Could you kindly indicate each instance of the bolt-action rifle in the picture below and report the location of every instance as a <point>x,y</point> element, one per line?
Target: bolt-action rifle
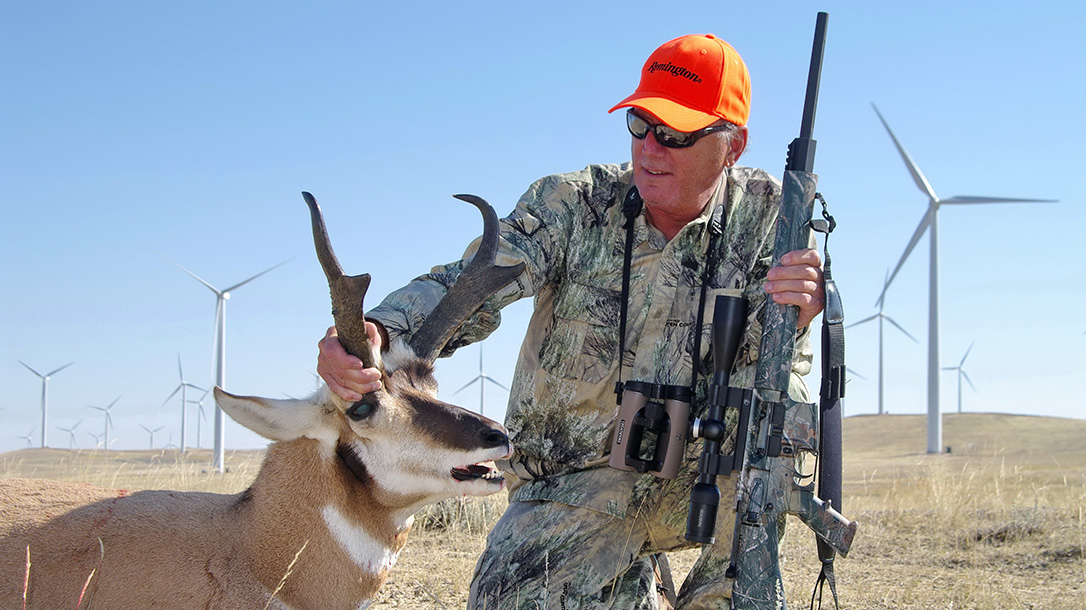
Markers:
<point>774,432</point>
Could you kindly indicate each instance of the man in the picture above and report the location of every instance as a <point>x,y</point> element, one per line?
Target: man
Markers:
<point>577,533</point>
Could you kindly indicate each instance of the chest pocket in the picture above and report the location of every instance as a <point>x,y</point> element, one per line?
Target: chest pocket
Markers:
<point>583,343</point>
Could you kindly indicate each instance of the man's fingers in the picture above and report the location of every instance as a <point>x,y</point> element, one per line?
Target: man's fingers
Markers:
<point>795,272</point>
<point>807,256</point>
<point>344,373</point>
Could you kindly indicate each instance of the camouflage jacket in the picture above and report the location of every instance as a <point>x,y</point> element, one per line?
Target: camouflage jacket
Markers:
<point>568,230</point>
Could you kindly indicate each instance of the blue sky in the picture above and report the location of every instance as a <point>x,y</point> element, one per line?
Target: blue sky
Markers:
<point>135,133</point>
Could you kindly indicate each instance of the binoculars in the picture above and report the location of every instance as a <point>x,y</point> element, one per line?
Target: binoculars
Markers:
<point>650,432</point>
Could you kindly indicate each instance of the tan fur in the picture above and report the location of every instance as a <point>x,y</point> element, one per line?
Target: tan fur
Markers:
<point>187,550</point>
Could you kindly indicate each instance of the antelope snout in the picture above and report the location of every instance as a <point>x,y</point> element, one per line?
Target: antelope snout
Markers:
<point>495,438</point>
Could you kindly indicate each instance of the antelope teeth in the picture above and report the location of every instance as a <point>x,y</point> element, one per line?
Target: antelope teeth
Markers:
<point>477,471</point>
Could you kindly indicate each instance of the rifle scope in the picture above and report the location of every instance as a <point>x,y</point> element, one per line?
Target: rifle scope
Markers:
<point>729,323</point>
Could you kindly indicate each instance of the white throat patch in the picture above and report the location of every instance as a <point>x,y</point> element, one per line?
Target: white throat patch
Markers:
<point>363,549</point>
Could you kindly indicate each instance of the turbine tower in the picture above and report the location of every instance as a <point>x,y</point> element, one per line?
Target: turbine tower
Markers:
<point>962,373</point>
<point>881,317</point>
<point>931,220</point>
<point>221,296</point>
<point>183,388</point>
<point>200,415</point>
<point>45,397</point>
<point>109,421</point>
<point>482,378</point>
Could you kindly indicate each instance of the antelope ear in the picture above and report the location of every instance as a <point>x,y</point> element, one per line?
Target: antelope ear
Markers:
<point>278,420</point>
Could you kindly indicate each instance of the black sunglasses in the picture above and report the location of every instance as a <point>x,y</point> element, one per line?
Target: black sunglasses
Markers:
<point>672,138</point>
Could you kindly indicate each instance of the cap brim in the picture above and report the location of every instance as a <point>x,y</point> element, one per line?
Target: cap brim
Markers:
<point>673,114</point>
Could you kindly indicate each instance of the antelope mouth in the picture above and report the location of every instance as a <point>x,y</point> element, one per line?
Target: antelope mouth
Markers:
<point>485,471</point>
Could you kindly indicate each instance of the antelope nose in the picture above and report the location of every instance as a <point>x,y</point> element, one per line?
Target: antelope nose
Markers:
<point>495,438</point>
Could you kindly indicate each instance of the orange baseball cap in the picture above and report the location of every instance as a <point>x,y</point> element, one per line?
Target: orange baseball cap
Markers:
<point>693,81</point>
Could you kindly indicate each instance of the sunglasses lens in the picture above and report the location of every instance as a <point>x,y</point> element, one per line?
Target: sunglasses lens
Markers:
<point>671,138</point>
<point>639,128</point>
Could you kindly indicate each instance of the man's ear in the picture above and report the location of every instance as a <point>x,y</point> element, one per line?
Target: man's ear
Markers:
<point>738,144</point>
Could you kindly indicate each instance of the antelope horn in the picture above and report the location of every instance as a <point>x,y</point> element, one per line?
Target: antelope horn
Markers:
<point>347,291</point>
<point>479,280</point>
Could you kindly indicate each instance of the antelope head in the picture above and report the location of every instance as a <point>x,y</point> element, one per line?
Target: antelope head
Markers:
<point>402,442</point>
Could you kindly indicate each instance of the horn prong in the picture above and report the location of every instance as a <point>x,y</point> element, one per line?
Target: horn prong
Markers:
<point>348,291</point>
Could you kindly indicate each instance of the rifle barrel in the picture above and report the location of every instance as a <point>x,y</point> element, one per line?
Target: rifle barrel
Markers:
<point>814,77</point>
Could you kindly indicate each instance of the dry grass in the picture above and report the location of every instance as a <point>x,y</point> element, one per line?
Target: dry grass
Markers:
<point>1000,522</point>
<point>134,470</point>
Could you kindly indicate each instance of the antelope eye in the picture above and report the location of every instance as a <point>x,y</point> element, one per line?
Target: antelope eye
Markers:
<point>360,410</point>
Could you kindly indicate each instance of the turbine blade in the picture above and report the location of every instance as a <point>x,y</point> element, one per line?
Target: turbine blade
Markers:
<point>962,363</point>
<point>55,371</point>
<point>240,284</point>
<point>31,370</point>
<point>867,319</point>
<point>467,384</point>
<point>898,326</point>
<point>918,177</point>
<point>491,380</point>
<point>198,279</point>
<point>925,222</point>
<point>180,373</point>
<point>968,380</point>
<point>971,199</point>
<point>172,394</point>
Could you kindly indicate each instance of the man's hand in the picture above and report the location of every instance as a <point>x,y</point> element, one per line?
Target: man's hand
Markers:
<point>344,373</point>
<point>798,281</point>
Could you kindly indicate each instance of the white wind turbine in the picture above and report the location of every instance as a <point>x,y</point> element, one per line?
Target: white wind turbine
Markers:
<point>482,378</point>
<point>221,297</point>
<point>152,433</point>
<point>961,374</point>
<point>109,420</point>
<point>71,433</point>
<point>97,439</point>
<point>881,317</point>
<point>45,397</point>
<point>931,220</point>
<point>183,388</point>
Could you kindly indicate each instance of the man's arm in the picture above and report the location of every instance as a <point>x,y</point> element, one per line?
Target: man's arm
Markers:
<point>532,234</point>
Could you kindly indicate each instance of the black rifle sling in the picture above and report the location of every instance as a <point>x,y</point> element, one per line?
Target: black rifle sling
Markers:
<point>830,403</point>
<point>631,208</point>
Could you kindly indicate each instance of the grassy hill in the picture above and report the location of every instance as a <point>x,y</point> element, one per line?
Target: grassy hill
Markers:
<point>998,522</point>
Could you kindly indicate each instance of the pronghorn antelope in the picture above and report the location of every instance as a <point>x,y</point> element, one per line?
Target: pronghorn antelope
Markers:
<point>324,519</point>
